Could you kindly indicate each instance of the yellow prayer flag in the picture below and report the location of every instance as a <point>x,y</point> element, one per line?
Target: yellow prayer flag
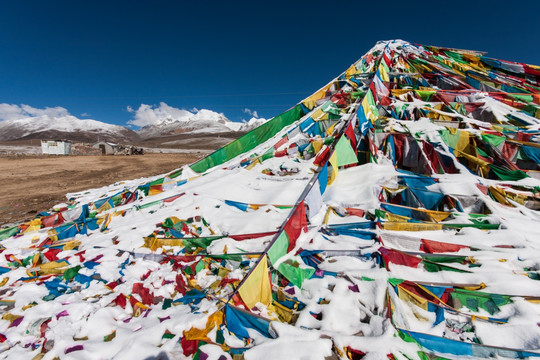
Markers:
<point>333,162</point>
<point>253,164</point>
<point>317,145</point>
<point>216,319</point>
<point>367,110</point>
<point>33,225</point>
<point>311,101</point>
<point>384,74</point>
<point>404,226</point>
<point>412,298</point>
<point>351,71</point>
<point>257,288</point>
<point>330,130</point>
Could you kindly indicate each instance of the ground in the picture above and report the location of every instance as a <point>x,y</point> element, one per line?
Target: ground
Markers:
<point>35,183</point>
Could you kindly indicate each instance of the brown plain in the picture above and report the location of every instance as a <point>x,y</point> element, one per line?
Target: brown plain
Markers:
<point>31,184</point>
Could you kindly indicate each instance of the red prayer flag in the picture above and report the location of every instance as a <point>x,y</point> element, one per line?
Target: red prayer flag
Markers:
<point>432,247</point>
<point>296,224</point>
<point>398,258</point>
<point>180,284</point>
<point>144,293</point>
<point>189,347</point>
<point>251,236</point>
<point>120,300</point>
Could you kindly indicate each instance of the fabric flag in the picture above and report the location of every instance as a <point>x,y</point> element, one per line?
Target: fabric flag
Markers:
<point>459,348</point>
<point>322,178</point>
<point>456,139</point>
<point>383,73</point>
<point>281,142</point>
<point>350,133</point>
<point>372,106</point>
<point>363,123</point>
<point>285,243</point>
<point>494,140</point>
<point>313,200</point>
<point>511,175</point>
<point>532,153</point>
<point>279,248</point>
<point>257,288</point>
<point>294,273</point>
<point>52,220</point>
<point>391,149</point>
<point>429,199</point>
<point>238,321</point>
<point>345,153</point>
<point>333,162</point>
<point>310,127</point>
<point>398,258</point>
<point>351,71</point>
<point>295,225</point>
<point>311,101</point>
<point>367,109</point>
<point>433,247</point>
<point>5,233</point>
<point>239,205</point>
<point>381,90</point>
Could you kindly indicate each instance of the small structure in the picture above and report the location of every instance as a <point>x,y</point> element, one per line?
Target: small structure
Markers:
<point>106,148</point>
<point>56,147</point>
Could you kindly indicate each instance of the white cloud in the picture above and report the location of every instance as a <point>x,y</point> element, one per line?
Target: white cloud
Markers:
<point>254,121</point>
<point>84,114</point>
<point>250,112</point>
<point>14,112</point>
<point>151,115</point>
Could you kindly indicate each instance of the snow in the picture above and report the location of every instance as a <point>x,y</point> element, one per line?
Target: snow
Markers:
<point>351,303</point>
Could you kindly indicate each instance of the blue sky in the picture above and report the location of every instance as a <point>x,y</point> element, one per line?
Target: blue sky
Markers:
<point>99,57</point>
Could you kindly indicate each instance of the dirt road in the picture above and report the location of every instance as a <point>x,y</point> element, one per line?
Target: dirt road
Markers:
<point>30,184</point>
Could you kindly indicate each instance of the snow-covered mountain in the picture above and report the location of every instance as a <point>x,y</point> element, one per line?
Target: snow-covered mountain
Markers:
<point>26,122</point>
<point>252,123</point>
<point>165,120</point>
<point>184,121</point>
<point>46,124</point>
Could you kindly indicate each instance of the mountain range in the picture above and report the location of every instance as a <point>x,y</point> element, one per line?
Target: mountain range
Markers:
<point>66,126</point>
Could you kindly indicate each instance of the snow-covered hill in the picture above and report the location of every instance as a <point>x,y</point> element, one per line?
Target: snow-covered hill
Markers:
<point>383,217</point>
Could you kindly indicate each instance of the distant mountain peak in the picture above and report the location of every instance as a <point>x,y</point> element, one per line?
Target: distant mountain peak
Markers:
<point>26,122</point>
<point>165,120</point>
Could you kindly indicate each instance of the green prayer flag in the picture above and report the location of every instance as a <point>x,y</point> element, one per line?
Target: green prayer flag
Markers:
<point>331,108</point>
<point>167,303</point>
<point>199,267</point>
<point>279,248</point>
<point>523,97</point>
<point>71,272</point>
<point>435,267</point>
<point>9,232</point>
<point>294,274</point>
<point>474,300</point>
<point>345,153</point>
<point>512,175</point>
<point>494,140</point>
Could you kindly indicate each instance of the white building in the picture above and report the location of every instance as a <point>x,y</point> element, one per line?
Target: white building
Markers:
<point>106,148</point>
<point>56,147</point>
